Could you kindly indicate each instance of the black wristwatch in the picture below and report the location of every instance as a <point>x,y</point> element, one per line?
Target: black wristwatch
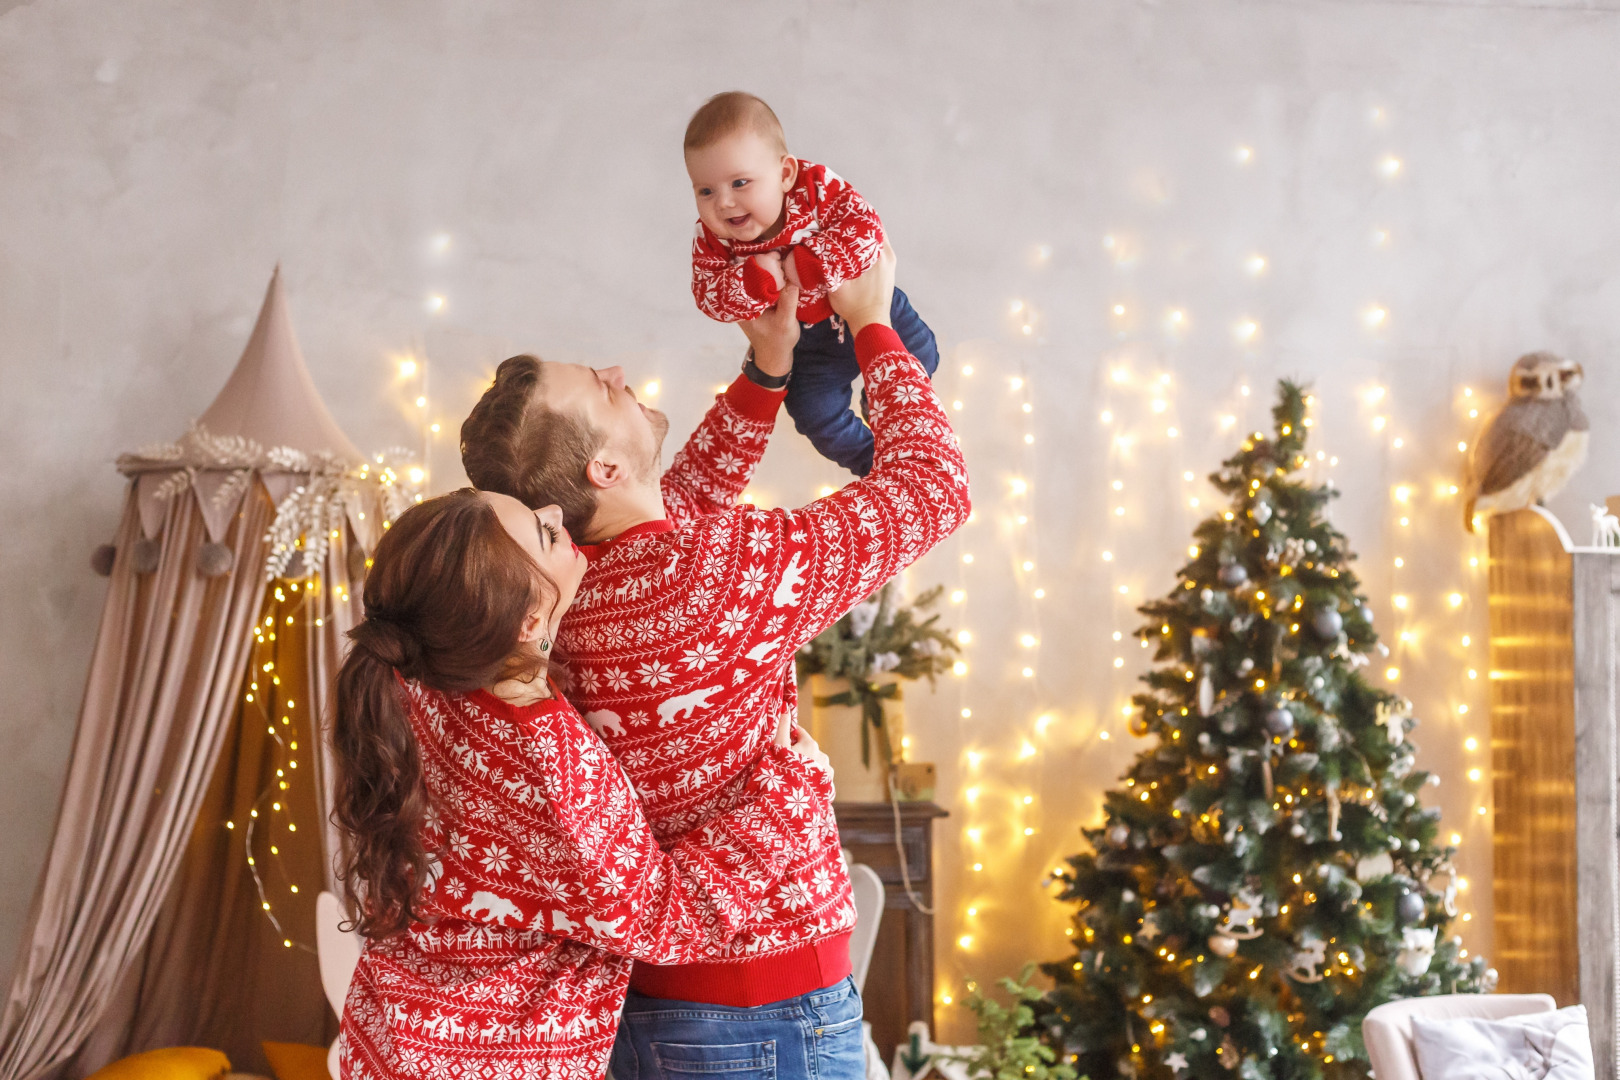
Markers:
<point>759,378</point>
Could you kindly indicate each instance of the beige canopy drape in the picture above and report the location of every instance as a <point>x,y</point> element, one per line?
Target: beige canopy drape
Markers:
<point>169,658</point>
<point>264,477</point>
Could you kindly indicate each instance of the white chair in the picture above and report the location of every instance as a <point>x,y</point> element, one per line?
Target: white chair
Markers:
<point>338,952</point>
<point>1387,1030</point>
<point>869,897</point>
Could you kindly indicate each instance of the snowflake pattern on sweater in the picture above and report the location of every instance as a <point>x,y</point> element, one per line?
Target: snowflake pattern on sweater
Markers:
<point>834,234</point>
<point>679,647</point>
<point>546,883</point>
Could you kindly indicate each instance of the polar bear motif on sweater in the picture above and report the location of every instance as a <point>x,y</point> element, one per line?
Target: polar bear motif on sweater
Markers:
<point>497,909</point>
<point>787,590</point>
<point>671,710</point>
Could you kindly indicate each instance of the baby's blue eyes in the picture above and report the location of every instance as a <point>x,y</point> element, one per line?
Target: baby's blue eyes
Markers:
<point>706,192</point>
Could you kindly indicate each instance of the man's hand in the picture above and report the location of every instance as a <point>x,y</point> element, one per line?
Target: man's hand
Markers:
<point>775,332</point>
<point>865,300</point>
<point>771,263</point>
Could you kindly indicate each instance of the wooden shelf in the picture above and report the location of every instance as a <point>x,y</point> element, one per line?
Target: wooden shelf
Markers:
<point>900,983</point>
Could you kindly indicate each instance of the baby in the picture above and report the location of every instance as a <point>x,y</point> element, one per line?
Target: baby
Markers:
<point>766,217</point>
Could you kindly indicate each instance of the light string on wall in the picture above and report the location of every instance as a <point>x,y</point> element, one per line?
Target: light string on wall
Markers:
<point>1143,427</point>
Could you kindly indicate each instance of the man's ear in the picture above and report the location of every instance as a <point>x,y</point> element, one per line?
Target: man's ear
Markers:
<point>604,472</point>
<point>790,171</point>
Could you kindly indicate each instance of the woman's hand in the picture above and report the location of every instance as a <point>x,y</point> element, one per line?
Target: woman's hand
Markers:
<point>795,738</point>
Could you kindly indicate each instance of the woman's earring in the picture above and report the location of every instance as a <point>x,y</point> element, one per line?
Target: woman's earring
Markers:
<point>545,644</point>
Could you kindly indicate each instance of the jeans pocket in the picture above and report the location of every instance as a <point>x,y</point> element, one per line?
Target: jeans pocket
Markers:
<point>734,1061</point>
<point>840,1050</point>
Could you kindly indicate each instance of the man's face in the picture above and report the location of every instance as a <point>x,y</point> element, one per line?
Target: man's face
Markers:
<point>630,430</point>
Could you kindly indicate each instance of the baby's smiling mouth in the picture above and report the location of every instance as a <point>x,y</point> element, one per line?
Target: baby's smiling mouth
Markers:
<point>735,222</point>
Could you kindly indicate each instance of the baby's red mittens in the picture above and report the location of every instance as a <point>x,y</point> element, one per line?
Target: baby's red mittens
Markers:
<point>811,279</point>
<point>758,283</point>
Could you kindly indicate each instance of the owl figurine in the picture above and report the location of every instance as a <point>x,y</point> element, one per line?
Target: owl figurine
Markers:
<point>1529,450</point>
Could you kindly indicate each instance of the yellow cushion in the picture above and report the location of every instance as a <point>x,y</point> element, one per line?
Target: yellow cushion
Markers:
<point>170,1063</point>
<point>295,1061</point>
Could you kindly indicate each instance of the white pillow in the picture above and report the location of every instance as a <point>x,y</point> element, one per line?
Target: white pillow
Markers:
<point>1537,1046</point>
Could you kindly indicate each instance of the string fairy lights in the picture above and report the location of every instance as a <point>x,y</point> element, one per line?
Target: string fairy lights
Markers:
<point>280,644</point>
<point>1153,455</point>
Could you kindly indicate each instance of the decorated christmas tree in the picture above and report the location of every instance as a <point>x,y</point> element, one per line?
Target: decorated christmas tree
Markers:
<point>1267,873</point>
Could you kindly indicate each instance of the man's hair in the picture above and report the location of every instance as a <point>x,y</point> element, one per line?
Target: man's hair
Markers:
<point>731,112</point>
<point>513,443</point>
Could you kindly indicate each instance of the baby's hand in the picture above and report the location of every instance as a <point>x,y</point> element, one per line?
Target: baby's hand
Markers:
<point>790,267</point>
<point>771,263</point>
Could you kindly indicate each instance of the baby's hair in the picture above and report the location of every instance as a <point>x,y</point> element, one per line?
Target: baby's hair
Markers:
<point>731,112</point>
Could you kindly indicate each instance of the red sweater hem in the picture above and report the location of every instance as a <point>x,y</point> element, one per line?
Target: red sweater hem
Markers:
<point>748,983</point>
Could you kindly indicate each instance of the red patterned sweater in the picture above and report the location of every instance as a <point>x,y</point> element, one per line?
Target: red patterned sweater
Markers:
<point>834,234</point>
<point>547,882</point>
<point>679,647</point>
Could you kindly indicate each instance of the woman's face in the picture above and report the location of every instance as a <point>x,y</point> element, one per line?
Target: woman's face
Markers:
<point>541,534</point>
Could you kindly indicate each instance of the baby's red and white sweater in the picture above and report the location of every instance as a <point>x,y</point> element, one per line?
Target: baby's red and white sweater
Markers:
<point>834,234</point>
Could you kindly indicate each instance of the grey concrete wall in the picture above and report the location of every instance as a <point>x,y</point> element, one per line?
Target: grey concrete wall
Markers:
<point>157,158</point>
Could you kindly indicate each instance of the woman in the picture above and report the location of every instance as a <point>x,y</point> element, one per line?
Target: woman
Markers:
<point>497,856</point>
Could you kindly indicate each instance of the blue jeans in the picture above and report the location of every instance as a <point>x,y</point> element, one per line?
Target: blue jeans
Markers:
<point>824,374</point>
<point>816,1036</point>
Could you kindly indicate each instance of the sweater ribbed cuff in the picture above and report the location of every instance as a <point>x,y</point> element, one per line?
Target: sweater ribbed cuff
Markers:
<point>873,341</point>
<point>753,400</point>
<point>759,284</point>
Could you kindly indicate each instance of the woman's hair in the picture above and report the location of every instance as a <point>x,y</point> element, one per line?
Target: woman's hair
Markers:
<point>445,601</point>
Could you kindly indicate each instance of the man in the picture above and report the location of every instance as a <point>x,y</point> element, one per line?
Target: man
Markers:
<point>679,648</point>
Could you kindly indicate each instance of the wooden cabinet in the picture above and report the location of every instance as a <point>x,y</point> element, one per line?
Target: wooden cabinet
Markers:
<point>1555,646</point>
<point>900,983</point>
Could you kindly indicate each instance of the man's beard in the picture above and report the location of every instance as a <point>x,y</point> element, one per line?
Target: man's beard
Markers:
<point>652,467</point>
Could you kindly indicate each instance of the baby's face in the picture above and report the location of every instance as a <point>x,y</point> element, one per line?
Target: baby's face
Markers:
<point>739,183</point>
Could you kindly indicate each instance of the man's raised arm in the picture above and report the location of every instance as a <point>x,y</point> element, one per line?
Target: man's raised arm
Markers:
<point>710,472</point>
<point>804,568</point>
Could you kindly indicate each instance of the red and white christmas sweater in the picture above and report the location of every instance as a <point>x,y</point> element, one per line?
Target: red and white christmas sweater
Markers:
<point>547,882</point>
<point>679,646</point>
<point>834,234</point>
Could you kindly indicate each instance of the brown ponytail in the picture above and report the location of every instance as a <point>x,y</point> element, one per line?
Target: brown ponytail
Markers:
<point>445,601</point>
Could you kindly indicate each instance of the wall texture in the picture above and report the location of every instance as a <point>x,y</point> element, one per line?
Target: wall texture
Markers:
<point>1078,193</point>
